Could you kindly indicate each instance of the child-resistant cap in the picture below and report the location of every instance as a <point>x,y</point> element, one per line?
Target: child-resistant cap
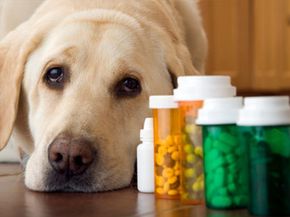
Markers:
<point>219,111</point>
<point>265,111</point>
<point>203,87</point>
<point>146,134</point>
<point>162,102</point>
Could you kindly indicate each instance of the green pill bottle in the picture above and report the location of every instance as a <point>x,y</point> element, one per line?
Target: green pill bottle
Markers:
<point>265,128</point>
<point>225,163</point>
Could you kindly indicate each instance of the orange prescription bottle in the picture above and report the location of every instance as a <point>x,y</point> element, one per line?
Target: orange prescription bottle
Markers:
<point>166,146</point>
<point>191,92</point>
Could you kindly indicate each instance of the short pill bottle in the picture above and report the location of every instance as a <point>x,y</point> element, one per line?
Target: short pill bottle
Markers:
<point>166,146</point>
<point>265,128</point>
<point>191,92</point>
<point>225,161</point>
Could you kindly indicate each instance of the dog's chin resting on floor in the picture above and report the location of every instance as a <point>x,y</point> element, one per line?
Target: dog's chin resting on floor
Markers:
<point>75,82</point>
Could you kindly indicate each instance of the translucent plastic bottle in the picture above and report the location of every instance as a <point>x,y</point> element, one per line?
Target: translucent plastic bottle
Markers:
<point>166,147</point>
<point>265,128</point>
<point>191,92</point>
<point>145,158</point>
<point>225,162</point>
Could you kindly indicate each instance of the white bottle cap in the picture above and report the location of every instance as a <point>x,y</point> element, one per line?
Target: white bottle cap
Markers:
<point>146,134</point>
<point>219,111</point>
<point>203,87</point>
<point>162,102</point>
<point>265,111</point>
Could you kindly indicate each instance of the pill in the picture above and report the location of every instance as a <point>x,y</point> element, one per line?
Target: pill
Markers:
<point>159,180</point>
<point>167,172</point>
<point>198,151</point>
<point>189,173</point>
<point>175,155</point>
<point>278,142</point>
<point>172,192</point>
<point>228,139</point>
<point>159,160</point>
<point>190,158</point>
<point>220,201</point>
<point>160,190</point>
<point>189,128</point>
<point>188,148</point>
<point>167,166</point>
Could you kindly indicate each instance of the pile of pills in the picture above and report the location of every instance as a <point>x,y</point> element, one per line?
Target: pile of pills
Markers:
<point>225,167</point>
<point>167,166</point>
<point>269,169</point>
<point>192,157</point>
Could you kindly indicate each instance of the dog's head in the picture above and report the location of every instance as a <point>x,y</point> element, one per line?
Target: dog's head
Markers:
<point>76,93</point>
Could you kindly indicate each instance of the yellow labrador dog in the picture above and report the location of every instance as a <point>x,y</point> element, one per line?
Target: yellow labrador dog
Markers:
<point>75,80</point>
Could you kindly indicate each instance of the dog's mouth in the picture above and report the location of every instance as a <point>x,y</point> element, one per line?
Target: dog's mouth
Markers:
<point>85,182</point>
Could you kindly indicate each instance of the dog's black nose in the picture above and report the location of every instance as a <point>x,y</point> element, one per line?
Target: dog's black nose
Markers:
<point>71,156</point>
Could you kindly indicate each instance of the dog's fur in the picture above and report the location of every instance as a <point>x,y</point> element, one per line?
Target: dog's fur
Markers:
<point>100,41</point>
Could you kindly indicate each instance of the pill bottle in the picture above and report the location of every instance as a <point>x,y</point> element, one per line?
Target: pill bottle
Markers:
<point>191,92</point>
<point>166,146</point>
<point>265,128</point>
<point>145,158</point>
<point>225,162</point>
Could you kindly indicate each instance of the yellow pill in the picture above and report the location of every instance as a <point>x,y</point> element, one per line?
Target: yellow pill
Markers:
<point>162,150</point>
<point>160,191</point>
<point>177,172</point>
<point>172,149</point>
<point>177,140</point>
<point>175,155</point>
<point>159,160</point>
<point>189,128</point>
<point>172,179</point>
<point>201,185</point>
<point>184,195</point>
<point>169,140</point>
<point>167,172</point>
<point>190,158</point>
<point>172,192</point>
<point>196,186</point>
<point>188,148</point>
<point>200,178</point>
<point>159,181</point>
<point>166,187</point>
<point>189,173</point>
<point>198,151</point>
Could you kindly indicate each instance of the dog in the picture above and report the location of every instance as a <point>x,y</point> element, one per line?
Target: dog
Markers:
<point>75,82</point>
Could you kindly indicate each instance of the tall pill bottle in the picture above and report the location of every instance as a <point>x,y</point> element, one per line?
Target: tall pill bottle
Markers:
<point>225,159</point>
<point>265,128</point>
<point>191,92</point>
<point>166,146</point>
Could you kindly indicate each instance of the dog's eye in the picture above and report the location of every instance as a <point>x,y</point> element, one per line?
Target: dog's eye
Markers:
<point>128,86</point>
<point>55,77</point>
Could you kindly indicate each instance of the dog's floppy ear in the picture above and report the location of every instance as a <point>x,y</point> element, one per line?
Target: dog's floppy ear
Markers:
<point>178,60</point>
<point>14,51</point>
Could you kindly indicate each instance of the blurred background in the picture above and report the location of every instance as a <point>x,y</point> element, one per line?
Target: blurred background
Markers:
<point>250,41</point>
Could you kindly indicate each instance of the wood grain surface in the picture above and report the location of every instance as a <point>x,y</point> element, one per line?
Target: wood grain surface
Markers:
<point>17,201</point>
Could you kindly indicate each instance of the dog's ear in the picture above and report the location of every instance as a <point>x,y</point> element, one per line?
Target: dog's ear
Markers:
<point>14,51</point>
<point>178,60</point>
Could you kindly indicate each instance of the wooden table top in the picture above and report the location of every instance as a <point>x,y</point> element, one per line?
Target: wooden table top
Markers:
<point>16,200</point>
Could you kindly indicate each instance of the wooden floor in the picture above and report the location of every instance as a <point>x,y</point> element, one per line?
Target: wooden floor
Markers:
<point>18,201</point>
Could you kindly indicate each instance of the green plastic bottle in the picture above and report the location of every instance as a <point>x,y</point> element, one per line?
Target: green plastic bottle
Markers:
<point>226,180</point>
<point>265,129</point>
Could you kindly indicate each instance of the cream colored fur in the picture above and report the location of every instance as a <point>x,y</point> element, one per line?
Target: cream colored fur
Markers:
<point>100,42</point>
